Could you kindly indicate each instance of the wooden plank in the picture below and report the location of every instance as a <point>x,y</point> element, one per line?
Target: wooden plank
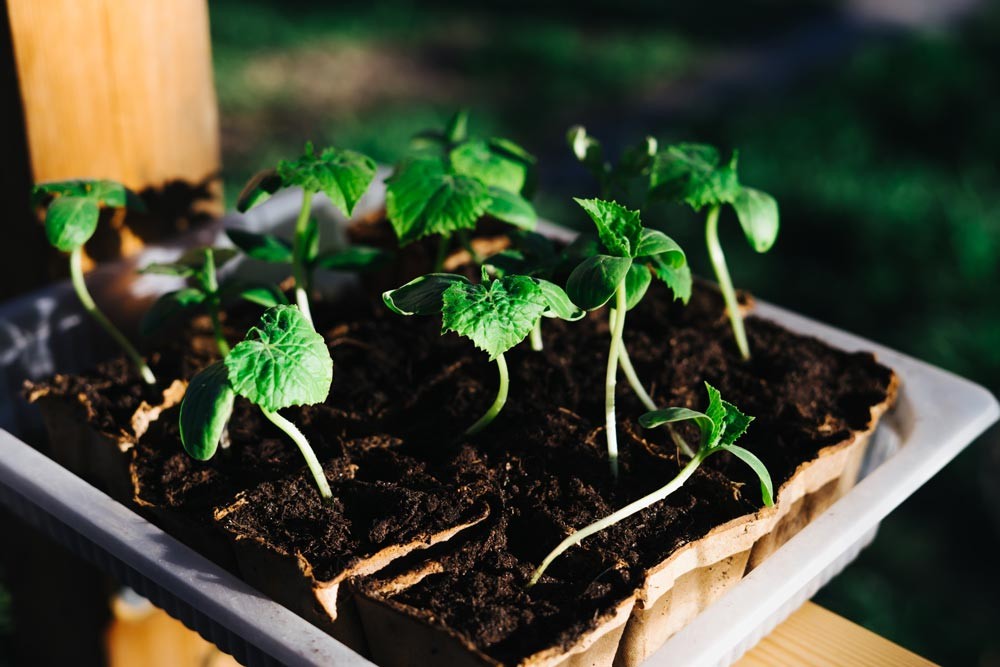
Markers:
<point>122,89</point>
<point>816,637</point>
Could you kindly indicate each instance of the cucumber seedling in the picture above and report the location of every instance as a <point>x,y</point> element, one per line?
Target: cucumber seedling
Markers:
<point>721,425</point>
<point>694,174</point>
<point>70,220</point>
<point>629,178</point>
<point>530,254</point>
<point>495,315</point>
<point>342,175</point>
<point>281,363</point>
<point>623,268</point>
<point>452,181</point>
<point>198,266</point>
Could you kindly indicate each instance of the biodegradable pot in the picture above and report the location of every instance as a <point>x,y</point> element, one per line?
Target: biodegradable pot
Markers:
<point>403,636</point>
<point>291,580</point>
<point>95,454</point>
<point>682,586</point>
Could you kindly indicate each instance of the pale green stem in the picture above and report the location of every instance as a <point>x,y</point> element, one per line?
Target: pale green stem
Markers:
<point>623,513</point>
<point>211,287</point>
<point>626,365</point>
<point>299,256</point>
<point>307,452</point>
<point>611,379</point>
<point>725,282</point>
<point>80,286</point>
<point>536,337</point>
<point>498,404</point>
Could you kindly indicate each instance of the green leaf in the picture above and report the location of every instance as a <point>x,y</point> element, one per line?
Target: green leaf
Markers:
<point>495,316</point>
<point>636,283</point>
<point>716,411</point>
<point>758,215</point>
<point>258,189</point>
<point>734,424</point>
<point>169,306</point>
<point>678,278</point>
<point>654,243</point>
<point>70,222</point>
<point>692,173</point>
<point>281,363</point>
<point>618,227</point>
<point>265,247</point>
<point>353,258</point>
<point>495,168</point>
<point>656,418</point>
<point>512,209</point>
<point>423,199</point>
<point>748,457</point>
<point>558,302</point>
<point>262,294</point>
<point>102,192</point>
<point>205,411</point>
<point>457,128</point>
<point>422,296</point>
<point>342,175</point>
<point>594,281</point>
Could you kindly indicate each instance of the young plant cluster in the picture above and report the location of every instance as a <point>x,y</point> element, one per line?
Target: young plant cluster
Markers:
<point>445,187</point>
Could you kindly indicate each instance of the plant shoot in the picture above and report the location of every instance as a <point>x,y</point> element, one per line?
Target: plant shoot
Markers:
<point>281,363</point>
<point>70,220</point>
<point>720,426</point>
<point>495,315</point>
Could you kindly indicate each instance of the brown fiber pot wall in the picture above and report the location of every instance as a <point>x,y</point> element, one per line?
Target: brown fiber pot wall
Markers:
<point>679,588</point>
<point>92,454</point>
<point>402,636</point>
<point>290,580</point>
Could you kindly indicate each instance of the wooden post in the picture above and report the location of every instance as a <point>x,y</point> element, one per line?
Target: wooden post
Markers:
<point>119,89</point>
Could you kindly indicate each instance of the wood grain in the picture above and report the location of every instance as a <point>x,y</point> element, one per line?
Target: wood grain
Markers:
<point>816,637</point>
<point>122,89</point>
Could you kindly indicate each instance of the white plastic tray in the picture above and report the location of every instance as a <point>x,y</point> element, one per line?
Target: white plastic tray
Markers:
<point>937,415</point>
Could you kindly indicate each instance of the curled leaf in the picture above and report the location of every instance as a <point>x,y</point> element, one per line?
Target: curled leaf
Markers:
<point>594,281</point>
<point>423,295</point>
<point>758,215</point>
<point>559,303</point>
<point>205,411</point>
<point>70,222</point>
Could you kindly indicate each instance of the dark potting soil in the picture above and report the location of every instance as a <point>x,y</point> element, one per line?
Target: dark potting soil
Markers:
<point>390,439</point>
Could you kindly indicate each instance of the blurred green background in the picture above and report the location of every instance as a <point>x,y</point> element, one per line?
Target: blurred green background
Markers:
<point>875,124</point>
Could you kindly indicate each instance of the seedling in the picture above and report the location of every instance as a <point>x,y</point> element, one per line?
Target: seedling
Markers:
<point>342,175</point>
<point>70,221</point>
<point>204,290</point>
<point>629,178</point>
<point>531,255</point>
<point>452,181</point>
<point>623,269</point>
<point>720,425</point>
<point>694,174</point>
<point>495,315</point>
<point>281,363</point>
